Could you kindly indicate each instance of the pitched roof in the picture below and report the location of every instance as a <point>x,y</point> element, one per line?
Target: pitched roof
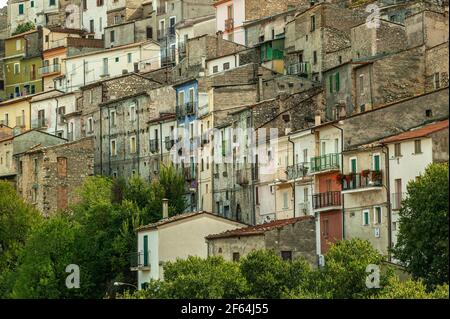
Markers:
<point>417,132</point>
<point>259,229</point>
<point>183,216</point>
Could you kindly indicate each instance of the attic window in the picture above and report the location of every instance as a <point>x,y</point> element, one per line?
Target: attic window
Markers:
<point>286,118</point>
<point>428,113</point>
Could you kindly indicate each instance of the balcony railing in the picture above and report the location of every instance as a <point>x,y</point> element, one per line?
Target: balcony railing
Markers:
<point>325,162</point>
<point>297,171</point>
<point>163,33</point>
<point>301,68</point>
<point>54,68</point>
<point>241,177</point>
<point>139,259</point>
<point>362,180</point>
<point>396,200</point>
<point>186,109</point>
<point>169,143</point>
<point>229,24</point>
<point>304,208</point>
<point>154,145</point>
<point>327,199</point>
<point>272,54</point>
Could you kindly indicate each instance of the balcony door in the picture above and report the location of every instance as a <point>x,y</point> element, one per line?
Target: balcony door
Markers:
<point>398,192</point>
<point>145,250</point>
<point>376,162</point>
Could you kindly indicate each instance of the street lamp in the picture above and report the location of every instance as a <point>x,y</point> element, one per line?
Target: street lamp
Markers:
<point>117,283</point>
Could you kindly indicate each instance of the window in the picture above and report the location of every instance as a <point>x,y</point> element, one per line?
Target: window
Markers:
<point>113,148</point>
<point>353,165</point>
<point>62,166</point>
<point>99,3</point>
<point>117,59</point>
<point>257,195</point>
<point>90,125</point>
<point>226,66</point>
<point>100,24</point>
<point>286,255</point>
<point>361,84</point>
<point>16,68</point>
<point>323,148</point>
<point>314,57</point>
<point>417,146</point>
<point>376,162</point>
<point>105,66</point>
<point>112,118</point>
<point>285,200</point>
<point>149,32</point>
<point>32,4</point>
<point>132,112</point>
<point>366,217</point>
<point>215,69</point>
<point>313,23</point>
<point>337,82</point>
<point>117,19</point>
<point>377,215</point>
<point>236,257</point>
<point>133,144</point>
<point>21,8</point>
<point>91,26</point>
<point>112,36</point>
<point>129,57</point>
<point>340,59</point>
<point>436,81</point>
<point>397,149</point>
<point>325,228</point>
<point>51,2</point>
<point>6,119</point>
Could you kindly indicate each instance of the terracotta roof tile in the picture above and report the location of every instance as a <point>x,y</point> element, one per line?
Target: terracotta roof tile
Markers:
<point>418,132</point>
<point>259,229</point>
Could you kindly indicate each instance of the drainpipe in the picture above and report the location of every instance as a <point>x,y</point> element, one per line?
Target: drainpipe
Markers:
<point>56,115</point>
<point>342,172</point>
<point>388,197</point>
<point>293,163</point>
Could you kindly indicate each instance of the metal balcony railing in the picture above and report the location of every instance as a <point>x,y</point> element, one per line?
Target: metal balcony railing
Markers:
<point>325,162</point>
<point>139,259</point>
<point>396,200</point>
<point>301,68</point>
<point>39,123</point>
<point>362,180</point>
<point>154,145</point>
<point>54,68</point>
<point>327,199</point>
<point>297,171</point>
<point>169,142</point>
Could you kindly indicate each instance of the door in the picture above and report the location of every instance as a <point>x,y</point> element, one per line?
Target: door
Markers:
<point>398,193</point>
<point>145,250</point>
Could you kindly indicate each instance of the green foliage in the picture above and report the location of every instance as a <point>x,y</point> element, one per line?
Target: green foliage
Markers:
<point>410,289</point>
<point>24,27</point>
<point>16,221</point>
<point>423,245</point>
<point>344,274</point>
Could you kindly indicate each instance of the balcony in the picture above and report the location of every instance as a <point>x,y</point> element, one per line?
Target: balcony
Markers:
<point>270,54</point>
<point>396,200</point>
<point>301,69</point>
<point>366,180</point>
<point>139,261</point>
<point>164,33</point>
<point>241,177</point>
<point>203,110</point>
<point>154,145</point>
<point>189,173</point>
<point>169,143</point>
<point>229,24</point>
<point>326,201</point>
<point>297,171</point>
<point>49,69</point>
<point>324,163</point>
<point>40,123</point>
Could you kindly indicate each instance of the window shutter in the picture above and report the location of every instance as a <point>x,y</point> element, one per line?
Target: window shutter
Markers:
<point>337,82</point>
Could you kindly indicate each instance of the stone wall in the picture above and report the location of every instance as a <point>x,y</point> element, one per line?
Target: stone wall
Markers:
<point>436,62</point>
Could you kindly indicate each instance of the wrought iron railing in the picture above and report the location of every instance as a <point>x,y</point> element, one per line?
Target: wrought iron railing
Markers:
<point>327,199</point>
<point>325,162</point>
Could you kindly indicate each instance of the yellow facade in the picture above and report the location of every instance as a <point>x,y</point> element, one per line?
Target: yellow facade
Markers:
<point>16,113</point>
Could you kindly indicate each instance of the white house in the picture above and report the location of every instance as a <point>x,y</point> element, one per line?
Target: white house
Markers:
<point>230,17</point>
<point>222,63</point>
<point>409,154</point>
<point>54,112</point>
<point>35,11</point>
<point>94,19</point>
<point>90,67</point>
<point>175,237</point>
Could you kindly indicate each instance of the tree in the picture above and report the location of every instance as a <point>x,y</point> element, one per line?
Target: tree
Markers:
<point>423,243</point>
<point>24,27</point>
<point>411,289</point>
<point>344,274</point>
<point>43,261</point>
<point>16,221</point>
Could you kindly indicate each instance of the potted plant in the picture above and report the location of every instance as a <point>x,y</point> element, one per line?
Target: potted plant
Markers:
<point>365,172</point>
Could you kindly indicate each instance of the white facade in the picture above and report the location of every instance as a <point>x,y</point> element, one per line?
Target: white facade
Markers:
<point>30,11</point>
<point>178,239</point>
<point>48,114</point>
<point>222,64</point>
<point>91,67</point>
<point>237,33</point>
<point>94,18</point>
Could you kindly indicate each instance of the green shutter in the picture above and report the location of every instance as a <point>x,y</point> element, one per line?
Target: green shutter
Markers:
<point>353,161</point>
<point>376,162</point>
<point>366,218</point>
<point>21,8</point>
<point>145,250</point>
<point>337,82</point>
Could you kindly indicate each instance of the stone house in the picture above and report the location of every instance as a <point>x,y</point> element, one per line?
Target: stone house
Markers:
<point>47,177</point>
<point>129,32</point>
<point>290,238</point>
<point>119,11</point>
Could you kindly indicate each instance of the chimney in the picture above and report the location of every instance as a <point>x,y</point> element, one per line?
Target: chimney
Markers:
<point>317,119</point>
<point>165,203</point>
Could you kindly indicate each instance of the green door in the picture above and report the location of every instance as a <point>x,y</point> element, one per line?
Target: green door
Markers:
<point>376,162</point>
<point>145,250</point>
<point>353,164</point>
